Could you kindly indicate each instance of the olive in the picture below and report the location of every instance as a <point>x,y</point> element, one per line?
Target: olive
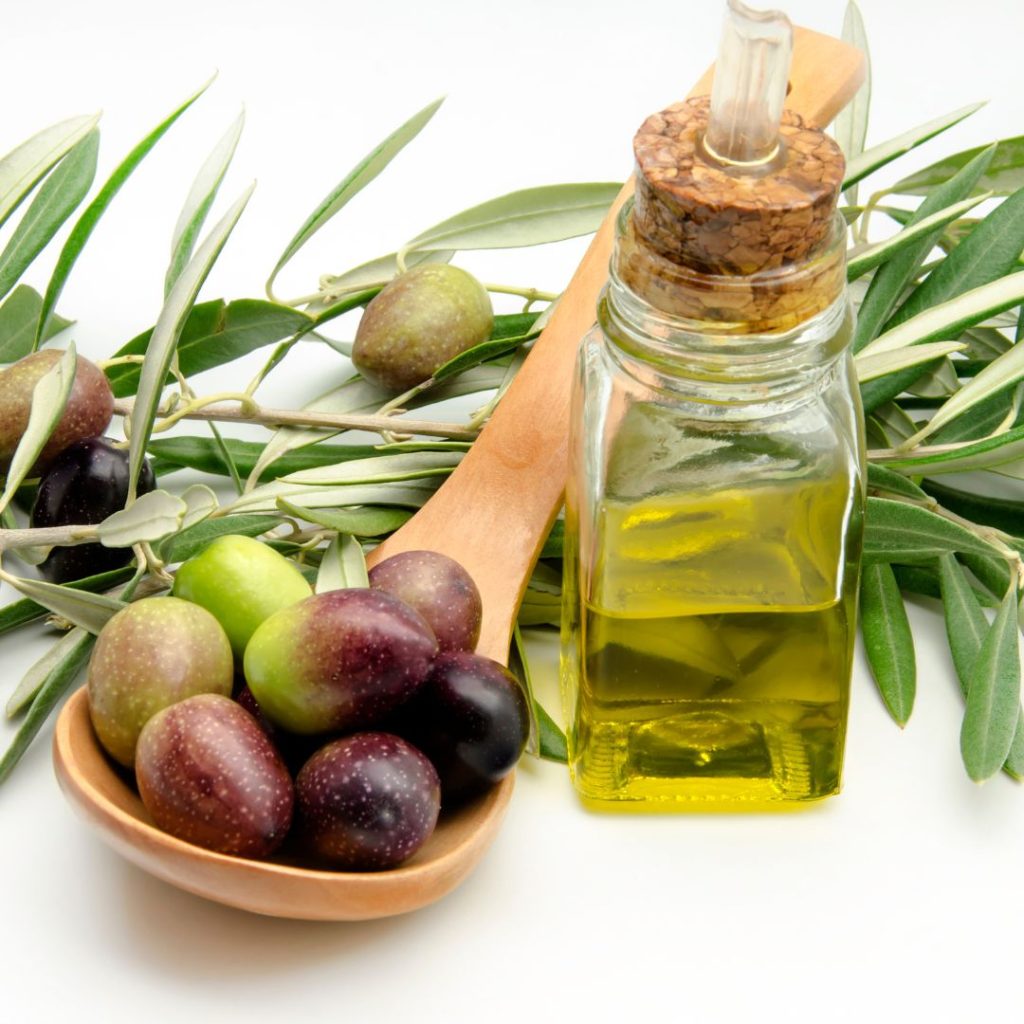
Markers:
<point>88,412</point>
<point>418,322</point>
<point>87,482</point>
<point>208,774</point>
<point>439,589</point>
<point>367,802</point>
<point>471,719</point>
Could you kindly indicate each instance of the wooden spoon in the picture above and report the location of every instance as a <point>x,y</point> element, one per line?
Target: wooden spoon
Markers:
<point>493,513</point>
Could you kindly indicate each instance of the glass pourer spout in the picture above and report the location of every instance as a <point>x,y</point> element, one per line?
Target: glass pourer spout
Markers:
<point>749,88</point>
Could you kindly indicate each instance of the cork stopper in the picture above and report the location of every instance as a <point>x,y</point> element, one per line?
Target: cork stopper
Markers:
<point>734,184</point>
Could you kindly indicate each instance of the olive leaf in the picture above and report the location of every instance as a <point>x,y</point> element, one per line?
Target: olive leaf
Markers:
<point>373,274</point>
<point>850,128</point>
<point>531,216</point>
<point>90,611</point>
<point>150,518</point>
<point>354,182</point>
<point>988,252</point>
<point>90,217</point>
<point>49,397</point>
<point>887,639</point>
<point>64,188</point>
<point>192,541</point>
<point>19,613</point>
<point>1006,514</point>
<point>993,694</point>
<point>200,199</point>
<point>966,625</point>
<point>378,469</point>
<point>342,566</point>
<point>890,281</point>
<point>859,263</point>
<point>959,458</point>
<point>1001,373</point>
<point>200,503</point>
<point>59,680</point>
<point>1005,174</point>
<point>19,315</point>
<point>881,479</point>
<point>878,156</point>
<point>165,336</point>
<point>24,166</point>
<point>35,678</point>
<point>362,521</point>
<point>519,665</point>
<point>898,532</point>
<point>872,365</point>
<point>402,495</point>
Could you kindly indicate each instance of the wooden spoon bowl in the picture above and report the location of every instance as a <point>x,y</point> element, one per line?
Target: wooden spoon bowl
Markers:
<point>100,794</point>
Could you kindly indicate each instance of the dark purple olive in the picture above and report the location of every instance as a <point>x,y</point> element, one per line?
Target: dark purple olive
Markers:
<point>471,719</point>
<point>338,661</point>
<point>208,774</point>
<point>367,802</point>
<point>439,589</point>
<point>87,482</point>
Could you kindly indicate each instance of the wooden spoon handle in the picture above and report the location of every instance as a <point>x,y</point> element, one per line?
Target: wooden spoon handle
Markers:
<point>493,513</point>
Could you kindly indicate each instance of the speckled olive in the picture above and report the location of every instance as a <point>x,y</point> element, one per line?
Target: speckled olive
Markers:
<point>338,661</point>
<point>418,322</point>
<point>367,802</point>
<point>241,582</point>
<point>471,719</point>
<point>87,482</point>
<point>439,589</point>
<point>150,655</point>
<point>88,411</point>
<point>208,774</point>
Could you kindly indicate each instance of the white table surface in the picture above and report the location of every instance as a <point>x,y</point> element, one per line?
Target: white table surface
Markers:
<point>901,899</point>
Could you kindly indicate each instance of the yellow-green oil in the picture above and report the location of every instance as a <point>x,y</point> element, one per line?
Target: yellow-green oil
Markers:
<point>707,646</point>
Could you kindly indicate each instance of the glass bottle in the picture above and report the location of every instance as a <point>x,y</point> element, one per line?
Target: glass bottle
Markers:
<point>715,499</point>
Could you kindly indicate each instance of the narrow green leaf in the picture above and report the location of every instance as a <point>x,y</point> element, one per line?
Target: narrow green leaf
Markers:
<point>551,740</point>
<point>871,159</point>
<point>49,397</point>
<point>364,521</point>
<point>888,640</point>
<point>18,318</point>
<point>57,683</point>
<point>850,128</point>
<point>35,678</point>
<point>960,458</point>
<point>874,255</point>
<point>379,469</point>
<point>993,695</point>
<point>200,503</point>
<point>989,252</point>
<point>532,216</point>
<point>895,420</point>
<point>19,613</point>
<point>480,354</point>
<point>90,217</point>
<point>1006,514</point>
<point>987,417</point>
<point>399,494</point>
<point>355,181</point>
<point>519,665</point>
<point>992,572</point>
<point>149,519</point>
<point>199,200</point>
<point>24,166</point>
<point>1005,174</point>
<point>226,460</point>
<point>58,198</point>
<point>166,333</point>
<point>872,365</point>
<point>891,280</point>
<point>883,480</point>
<point>90,611</point>
<point>193,541</point>
<point>342,566</point>
<point>897,532</point>
<point>966,625</point>
<point>939,381</point>
<point>984,342</point>
<point>374,274</point>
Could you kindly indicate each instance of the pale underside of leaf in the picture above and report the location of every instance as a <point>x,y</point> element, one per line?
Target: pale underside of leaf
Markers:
<point>150,518</point>
<point>342,566</point>
<point>872,365</point>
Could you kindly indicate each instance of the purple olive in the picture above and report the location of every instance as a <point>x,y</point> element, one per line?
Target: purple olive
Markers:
<point>87,482</point>
<point>208,774</point>
<point>439,589</point>
<point>338,661</point>
<point>89,408</point>
<point>471,719</point>
<point>367,802</point>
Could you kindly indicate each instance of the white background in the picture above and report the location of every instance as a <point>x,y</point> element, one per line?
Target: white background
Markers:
<point>901,899</point>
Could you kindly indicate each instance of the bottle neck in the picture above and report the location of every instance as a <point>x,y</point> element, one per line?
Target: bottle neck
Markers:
<point>725,338</point>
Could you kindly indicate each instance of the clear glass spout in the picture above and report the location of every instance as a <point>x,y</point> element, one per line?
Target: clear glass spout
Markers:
<point>749,88</point>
